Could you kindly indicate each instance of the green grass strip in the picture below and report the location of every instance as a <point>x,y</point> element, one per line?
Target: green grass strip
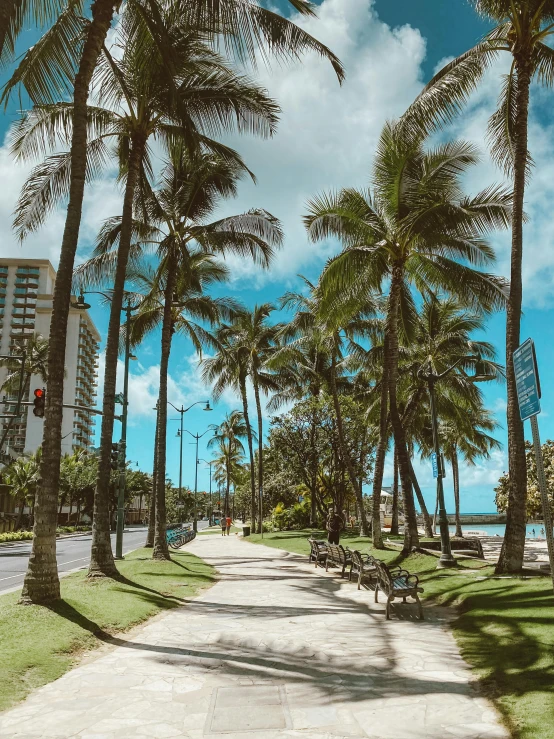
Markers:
<point>504,628</point>
<point>39,643</point>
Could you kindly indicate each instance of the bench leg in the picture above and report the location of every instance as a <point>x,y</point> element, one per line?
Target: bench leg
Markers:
<point>350,574</point>
<point>359,579</point>
<point>419,607</point>
<point>377,592</point>
<point>343,569</point>
<point>326,565</point>
<point>389,599</point>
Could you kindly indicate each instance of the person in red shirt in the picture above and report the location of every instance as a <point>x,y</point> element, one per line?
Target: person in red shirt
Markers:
<point>228,521</point>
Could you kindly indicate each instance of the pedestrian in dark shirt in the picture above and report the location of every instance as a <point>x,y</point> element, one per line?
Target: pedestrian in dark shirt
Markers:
<point>334,525</point>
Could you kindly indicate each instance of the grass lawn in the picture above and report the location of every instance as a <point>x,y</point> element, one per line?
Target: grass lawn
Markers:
<point>39,643</point>
<point>504,627</point>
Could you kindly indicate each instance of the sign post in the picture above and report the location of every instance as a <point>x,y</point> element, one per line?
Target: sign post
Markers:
<point>528,389</point>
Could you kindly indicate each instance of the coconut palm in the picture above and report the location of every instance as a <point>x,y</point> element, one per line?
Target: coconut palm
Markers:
<point>35,365</point>
<point>255,341</point>
<point>189,308</point>
<point>141,106</point>
<point>522,29</point>
<point>175,218</point>
<point>310,337</point>
<point>228,368</point>
<point>227,439</point>
<point>65,59</point>
<point>415,229</point>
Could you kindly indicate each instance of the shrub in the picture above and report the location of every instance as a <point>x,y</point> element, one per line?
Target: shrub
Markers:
<point>15,536</point>
<point>295,517</point>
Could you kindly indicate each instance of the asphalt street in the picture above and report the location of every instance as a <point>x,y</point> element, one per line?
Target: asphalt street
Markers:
<point>72,553</point>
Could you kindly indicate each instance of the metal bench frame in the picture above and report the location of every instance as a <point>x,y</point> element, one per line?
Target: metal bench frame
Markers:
<point>397,583</point>
<point>338,555</point>
<point>363,565</point>
<point>318,551</point>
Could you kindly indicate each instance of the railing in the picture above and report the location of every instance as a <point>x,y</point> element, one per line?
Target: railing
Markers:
<point>176,538</point>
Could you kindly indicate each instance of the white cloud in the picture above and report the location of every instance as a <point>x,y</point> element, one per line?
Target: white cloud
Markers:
<point>327,134</point>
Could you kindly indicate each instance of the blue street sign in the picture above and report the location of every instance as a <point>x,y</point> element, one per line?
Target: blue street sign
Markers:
<point>527,380</point>
<point>435,464</point>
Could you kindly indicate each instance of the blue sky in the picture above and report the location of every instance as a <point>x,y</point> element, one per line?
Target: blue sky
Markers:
<point>326,140</point>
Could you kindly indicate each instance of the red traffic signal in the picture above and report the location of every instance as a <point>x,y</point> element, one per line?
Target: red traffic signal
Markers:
<point>39,402</point>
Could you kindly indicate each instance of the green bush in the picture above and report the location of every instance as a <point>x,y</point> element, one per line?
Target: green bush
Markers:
<point>16,536</point>
<point>295,517</point>
<point>71,529</point>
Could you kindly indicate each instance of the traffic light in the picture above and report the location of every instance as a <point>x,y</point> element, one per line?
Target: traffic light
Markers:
<point>39,401</point>
<point>114,457</point>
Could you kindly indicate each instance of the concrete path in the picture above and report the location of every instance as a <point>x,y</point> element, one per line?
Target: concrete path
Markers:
<point>274,649</point>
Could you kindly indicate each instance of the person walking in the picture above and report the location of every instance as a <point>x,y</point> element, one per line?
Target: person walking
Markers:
<point>334,525</point>
<point>228,521</point>
<point>223,522</point>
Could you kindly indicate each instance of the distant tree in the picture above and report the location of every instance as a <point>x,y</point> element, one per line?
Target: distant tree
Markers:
<point>534,502</point>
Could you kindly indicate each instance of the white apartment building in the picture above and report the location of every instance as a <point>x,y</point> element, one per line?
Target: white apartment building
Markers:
<point>26,292</point>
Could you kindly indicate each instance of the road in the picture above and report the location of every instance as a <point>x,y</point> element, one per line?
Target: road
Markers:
<point>72,553</point>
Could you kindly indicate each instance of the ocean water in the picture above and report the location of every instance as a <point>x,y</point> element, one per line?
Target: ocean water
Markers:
<point>534,530</point>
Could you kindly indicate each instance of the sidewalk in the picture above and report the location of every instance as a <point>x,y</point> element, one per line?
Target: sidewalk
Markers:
<point>274,649</point>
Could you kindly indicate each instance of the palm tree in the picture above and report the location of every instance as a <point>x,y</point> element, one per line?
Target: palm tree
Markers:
<point>35,365</point>
<point>254,340</point>
<point>228,368</point>
<point>467,436</point>
<point>227,439</point>
<point>521,28</point>
<point>66,59</point>
<point>22,476</point>
<point>416,229</point>
<point>175,218</point>
<point>187,305</point>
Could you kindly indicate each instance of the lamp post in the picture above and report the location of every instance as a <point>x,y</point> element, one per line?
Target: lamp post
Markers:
<point>210,462</point>
<point>182,412</point>
<point>81,304</point>
<point>196,437</point>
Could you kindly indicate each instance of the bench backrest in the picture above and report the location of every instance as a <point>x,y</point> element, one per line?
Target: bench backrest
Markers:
<point>357,560</point>
<point>385,578</point>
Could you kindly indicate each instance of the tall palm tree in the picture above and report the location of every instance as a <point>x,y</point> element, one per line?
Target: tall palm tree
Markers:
<point>66,59</point>
<point>255,340</point>
<point>227,439</point>
<point>467,435</point>
<point>36,364</point>
<point>522,29</point>
<point>189,307</point>
<point>228,368</point>
<point>142,105</point>
<point>416,229</point>
<point>175,219</point>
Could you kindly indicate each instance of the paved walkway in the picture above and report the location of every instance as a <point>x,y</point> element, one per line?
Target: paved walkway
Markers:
<point>274,649</point>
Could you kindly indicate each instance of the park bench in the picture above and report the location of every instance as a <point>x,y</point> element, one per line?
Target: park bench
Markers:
<point>339,556</point>
<point>318,551</point>
<point>364,567</point>
<point>397,583</point>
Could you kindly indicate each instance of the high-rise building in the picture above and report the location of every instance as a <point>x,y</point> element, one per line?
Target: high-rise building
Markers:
<point>26,293</point>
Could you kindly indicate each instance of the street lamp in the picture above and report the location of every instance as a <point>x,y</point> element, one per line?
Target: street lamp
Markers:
<point>81,304</point>
<point>446,559</point>
<point>210,462</point>
<point>179,433</point>
<point>196,437</point>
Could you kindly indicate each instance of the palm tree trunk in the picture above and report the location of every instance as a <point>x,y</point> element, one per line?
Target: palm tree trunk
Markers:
<point>427,521</point>
<point>20,513</point>
<point>314,464</point>
<point>152,509</point>
<point>381,450</point>
<point>161,549</point>
<point>347,461</point>
<point>101,560</point>
<point>253,506</point>
<point>411,536</point>
<point>511,554</point>
<point>260,453</point>
<point>41,580</point>
<point>394,522</point>
<point>456,480</point>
